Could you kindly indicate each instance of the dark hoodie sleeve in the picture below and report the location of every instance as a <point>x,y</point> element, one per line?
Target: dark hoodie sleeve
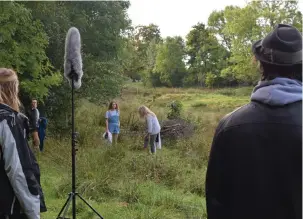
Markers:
<point>36,118</point>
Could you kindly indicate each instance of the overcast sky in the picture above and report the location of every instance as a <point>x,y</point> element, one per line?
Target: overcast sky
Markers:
<point>176,17</point>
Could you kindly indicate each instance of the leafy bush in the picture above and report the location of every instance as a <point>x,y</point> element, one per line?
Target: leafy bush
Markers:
<point>175,110</point>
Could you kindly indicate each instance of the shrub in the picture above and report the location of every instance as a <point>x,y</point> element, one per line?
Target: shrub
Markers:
<point>175,109</point>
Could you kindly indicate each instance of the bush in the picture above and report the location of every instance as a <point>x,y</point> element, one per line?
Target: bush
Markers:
<point>210,79</point>
<point>175,110</point>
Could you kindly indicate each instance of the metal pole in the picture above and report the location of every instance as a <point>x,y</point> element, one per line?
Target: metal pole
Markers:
<point>74,150</point>
<point>73,153</point>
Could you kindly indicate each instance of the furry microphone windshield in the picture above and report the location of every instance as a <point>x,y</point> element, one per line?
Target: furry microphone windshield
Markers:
<point>72,57</point>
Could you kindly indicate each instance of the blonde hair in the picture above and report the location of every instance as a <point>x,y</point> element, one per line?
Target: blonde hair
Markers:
<point>9,88</point>
<point>144,111</point>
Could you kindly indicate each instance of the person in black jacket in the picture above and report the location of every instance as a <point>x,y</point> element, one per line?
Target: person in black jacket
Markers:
<point>34,116</point>
<point>255,163</point>
<point>21,195</point>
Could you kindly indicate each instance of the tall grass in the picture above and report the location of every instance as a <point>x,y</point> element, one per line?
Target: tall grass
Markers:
<point>125,181</point>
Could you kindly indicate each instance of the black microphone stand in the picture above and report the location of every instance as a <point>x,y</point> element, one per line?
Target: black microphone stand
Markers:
<point>72,195</point>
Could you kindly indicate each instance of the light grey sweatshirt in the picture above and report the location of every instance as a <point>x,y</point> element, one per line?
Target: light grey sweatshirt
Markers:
<point>153,126</point>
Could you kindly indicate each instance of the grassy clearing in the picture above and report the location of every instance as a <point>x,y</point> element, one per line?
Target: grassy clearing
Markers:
<point>125,181</point>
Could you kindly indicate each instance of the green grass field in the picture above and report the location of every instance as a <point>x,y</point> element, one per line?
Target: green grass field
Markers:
<point>125,181</point>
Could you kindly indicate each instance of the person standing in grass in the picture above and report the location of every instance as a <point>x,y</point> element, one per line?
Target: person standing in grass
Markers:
<point>255,163</point>
<point>34,116</point>
<point>112,117</point>
<point>152,127</point>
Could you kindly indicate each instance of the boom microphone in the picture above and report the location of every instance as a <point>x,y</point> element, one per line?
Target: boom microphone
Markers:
<point>73,72</point>
<point>72,57</point>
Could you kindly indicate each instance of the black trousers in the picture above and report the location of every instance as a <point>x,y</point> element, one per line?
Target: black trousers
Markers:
<point>16,216</point>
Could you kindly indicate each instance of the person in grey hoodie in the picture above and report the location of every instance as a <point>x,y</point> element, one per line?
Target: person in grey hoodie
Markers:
<point>152,126</point>
<point>255,163</point>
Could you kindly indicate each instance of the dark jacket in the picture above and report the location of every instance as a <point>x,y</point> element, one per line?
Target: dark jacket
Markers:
<point>19,170</point>
<point>33,116</point>
<point>255,164</point>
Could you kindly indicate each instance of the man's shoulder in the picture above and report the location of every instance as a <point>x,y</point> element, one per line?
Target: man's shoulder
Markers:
<point>255,112</point>
<point>233,117</point>
<point>35,110</point>
<point>6,112</point>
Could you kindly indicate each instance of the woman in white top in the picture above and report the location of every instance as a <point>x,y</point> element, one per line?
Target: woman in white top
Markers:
<point>152,126</point>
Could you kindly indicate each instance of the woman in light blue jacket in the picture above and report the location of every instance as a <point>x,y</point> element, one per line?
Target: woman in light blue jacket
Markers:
<point>152,126</point>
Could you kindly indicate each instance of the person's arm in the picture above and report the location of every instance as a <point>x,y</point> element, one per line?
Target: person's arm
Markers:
<point>215,180</point>
<point>119,118</point>
<point>17,165</point>
<point>36,118</point>
<point>106,120</point>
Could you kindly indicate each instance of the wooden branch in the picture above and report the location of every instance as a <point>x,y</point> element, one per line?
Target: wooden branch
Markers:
<point>165,127</point>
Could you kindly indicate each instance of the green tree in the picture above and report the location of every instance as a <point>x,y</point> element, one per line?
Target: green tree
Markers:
<point>146,37</point>
<point>131,63</point>
<point>55,17</point>
<point>145,34</point>
<point>216,24</point>
<point>23,42</point>
<point>148,74</point>
<point>274,12</point>
<point>249,24</point>
<point>205,53</point>
<point>170,61</point>
<point>102,26</point>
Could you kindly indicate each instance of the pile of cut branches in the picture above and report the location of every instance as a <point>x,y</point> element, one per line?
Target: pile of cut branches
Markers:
<point>176,128</point>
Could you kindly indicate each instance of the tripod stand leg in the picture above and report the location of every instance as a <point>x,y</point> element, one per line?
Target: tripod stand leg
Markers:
<point>65,206</point>
<point>89,206</point>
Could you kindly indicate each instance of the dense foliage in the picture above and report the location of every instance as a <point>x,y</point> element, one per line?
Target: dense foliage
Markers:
<point>32,42</point>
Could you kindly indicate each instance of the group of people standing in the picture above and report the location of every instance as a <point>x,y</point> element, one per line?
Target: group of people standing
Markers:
<point>255,164</point>
<point>153,128</point>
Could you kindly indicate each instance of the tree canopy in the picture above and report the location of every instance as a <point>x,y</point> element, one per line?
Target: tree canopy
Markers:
<point>215,54</point>
<point>23,43</point>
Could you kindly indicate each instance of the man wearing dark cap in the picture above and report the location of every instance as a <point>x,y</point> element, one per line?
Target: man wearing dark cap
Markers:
<point>255,163</point>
